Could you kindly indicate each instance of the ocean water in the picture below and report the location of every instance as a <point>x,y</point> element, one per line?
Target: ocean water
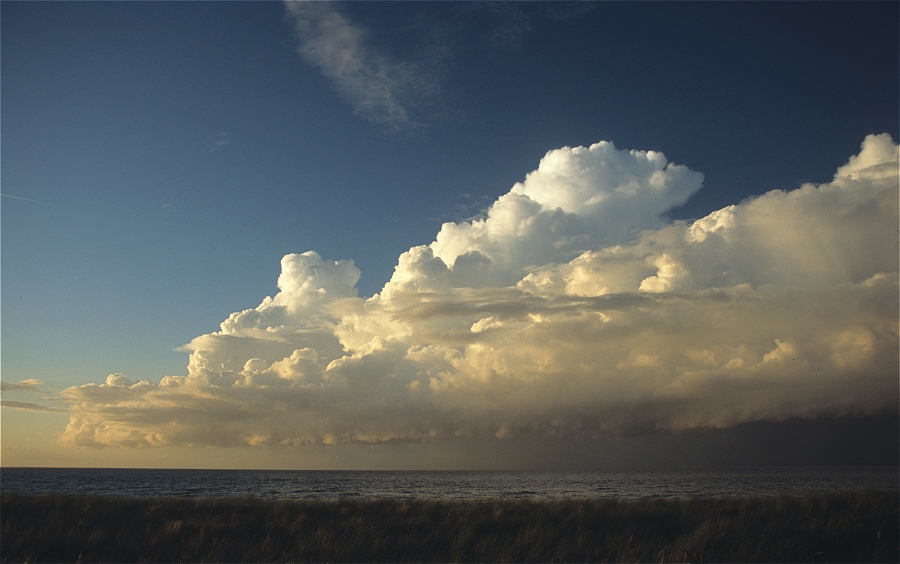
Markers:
<point>447,485</point>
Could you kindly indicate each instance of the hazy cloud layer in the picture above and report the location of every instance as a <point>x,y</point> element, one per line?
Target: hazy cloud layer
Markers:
<point>28,387</point>
<point>30,384</point>
<point>28,406</point>
<point>570,307</point>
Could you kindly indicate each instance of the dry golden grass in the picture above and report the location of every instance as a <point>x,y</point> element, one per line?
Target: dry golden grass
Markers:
<point>840,527</point>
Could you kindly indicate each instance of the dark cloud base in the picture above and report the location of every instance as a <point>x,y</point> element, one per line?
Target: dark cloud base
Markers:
<point>851,440</point>
<point>858,441</point>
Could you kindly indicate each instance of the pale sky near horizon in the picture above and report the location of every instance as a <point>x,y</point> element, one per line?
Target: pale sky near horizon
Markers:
<point>448,234</point>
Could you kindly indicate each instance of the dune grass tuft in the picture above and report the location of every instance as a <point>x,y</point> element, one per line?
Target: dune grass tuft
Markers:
<point>845,527</point>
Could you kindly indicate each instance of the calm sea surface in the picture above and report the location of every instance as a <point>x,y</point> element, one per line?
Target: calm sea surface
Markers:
<point>447,485</point>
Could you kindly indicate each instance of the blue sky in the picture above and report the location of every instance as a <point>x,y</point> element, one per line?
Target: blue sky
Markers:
<point>159,159</point>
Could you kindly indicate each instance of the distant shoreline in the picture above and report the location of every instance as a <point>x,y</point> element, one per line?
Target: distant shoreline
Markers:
<point>860,526</point>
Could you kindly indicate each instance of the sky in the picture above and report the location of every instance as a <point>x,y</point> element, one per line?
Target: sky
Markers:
<point>377,235</point>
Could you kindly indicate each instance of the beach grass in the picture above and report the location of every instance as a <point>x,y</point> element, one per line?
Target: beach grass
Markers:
<point>835,527</point>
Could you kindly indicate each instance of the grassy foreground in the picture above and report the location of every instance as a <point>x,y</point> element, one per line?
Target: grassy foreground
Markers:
<point>839,527</point>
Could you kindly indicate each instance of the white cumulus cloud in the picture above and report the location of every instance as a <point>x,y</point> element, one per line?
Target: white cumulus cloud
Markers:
<point>571,307</point>
<point>578,198</point>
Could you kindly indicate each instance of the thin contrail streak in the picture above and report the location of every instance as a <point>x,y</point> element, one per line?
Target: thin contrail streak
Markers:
<point>25,199</point>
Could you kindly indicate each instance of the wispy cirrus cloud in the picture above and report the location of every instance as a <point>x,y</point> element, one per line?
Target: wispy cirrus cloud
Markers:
<point>405,92</point>
<point>24,199</point>
<point>381,88</point>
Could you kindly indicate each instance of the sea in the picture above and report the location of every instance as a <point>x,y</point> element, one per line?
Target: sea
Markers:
<point>449,485</point>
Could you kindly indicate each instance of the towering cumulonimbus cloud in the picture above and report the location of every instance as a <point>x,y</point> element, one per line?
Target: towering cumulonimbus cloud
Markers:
<point>571,306</point>
<point>578,198</point>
